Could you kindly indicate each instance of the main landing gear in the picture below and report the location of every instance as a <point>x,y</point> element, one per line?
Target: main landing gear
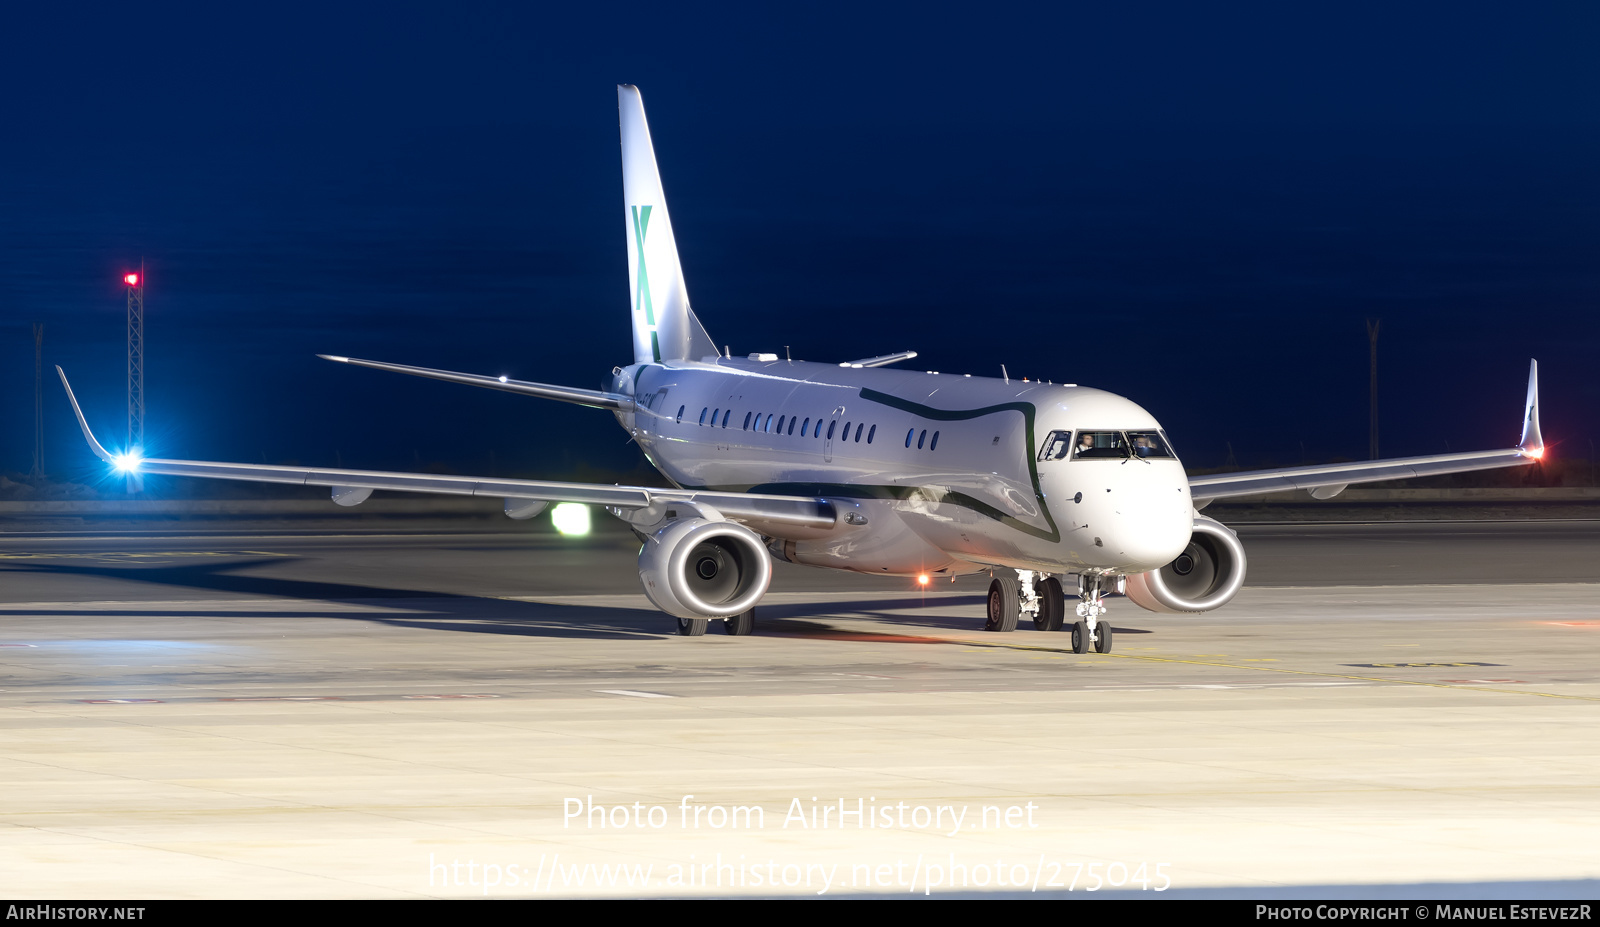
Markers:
<point>1014,593</point>
<point>740,625</point>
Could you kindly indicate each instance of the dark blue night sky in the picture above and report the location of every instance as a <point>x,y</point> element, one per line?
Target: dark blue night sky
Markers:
<point>1194,209</point>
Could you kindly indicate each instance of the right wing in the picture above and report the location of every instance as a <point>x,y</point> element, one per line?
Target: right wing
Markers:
<point>773,513</point>
<point>1327,481</point>
<point>582,397</point>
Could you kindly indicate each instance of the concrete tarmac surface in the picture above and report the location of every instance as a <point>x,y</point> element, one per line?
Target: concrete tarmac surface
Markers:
<point>354,714</point>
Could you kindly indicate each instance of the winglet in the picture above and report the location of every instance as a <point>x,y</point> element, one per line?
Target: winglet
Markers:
<point>94,445</point>
<point>1532,444</point>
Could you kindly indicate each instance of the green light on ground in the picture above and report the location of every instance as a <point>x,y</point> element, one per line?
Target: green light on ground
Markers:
<point>571,519</point>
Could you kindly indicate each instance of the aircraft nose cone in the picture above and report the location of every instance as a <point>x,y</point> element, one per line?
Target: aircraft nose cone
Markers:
<point>1148,530</point>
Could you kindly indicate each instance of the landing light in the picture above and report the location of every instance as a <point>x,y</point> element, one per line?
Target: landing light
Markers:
<point>127,463</point>
<point>922,580</point>
<point>571,519</point>
<point>502,379</point>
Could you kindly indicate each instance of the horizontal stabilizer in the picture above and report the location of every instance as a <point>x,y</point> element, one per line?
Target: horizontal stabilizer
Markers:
<point>582,397</point>
<point>881,360</point>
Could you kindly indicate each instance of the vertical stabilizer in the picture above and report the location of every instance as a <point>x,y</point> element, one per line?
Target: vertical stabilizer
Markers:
<point>664,328</point>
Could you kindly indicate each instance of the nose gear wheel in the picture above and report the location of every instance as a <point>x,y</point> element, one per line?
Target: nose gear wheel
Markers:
<point>1080,637</point>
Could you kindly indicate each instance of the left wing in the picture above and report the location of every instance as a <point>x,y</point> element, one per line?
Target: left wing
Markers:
<point>1328,481</point>
<point>778,515</point>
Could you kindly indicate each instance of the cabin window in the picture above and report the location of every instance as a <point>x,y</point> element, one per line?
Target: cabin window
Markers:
<point>747,421</point>
<point>922,438</point>
<point>768,428</point>
<point>908,436</point>
<point>870,432</point>
<point>791,428</point>
<point>703,416</point>
<point>831,426</point>
<point>680,415</point>
<point>858,433</point>
<point>805,427</point>
<point>780,424</point>
<point>846,435</point>
<point>725,416</point>
<point>934,444</point>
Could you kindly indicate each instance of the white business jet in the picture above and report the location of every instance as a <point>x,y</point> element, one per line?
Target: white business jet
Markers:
<point>1047,488</point>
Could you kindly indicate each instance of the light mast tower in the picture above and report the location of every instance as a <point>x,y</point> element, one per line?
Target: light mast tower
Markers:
<point>135,284</point>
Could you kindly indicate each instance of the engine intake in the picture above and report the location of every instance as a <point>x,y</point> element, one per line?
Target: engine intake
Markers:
<point>695,568</point>
<point>1205,576</point>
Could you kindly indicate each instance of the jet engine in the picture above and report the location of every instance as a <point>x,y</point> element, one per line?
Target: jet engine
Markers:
<point>1206,575</point>
<point>697,568</point>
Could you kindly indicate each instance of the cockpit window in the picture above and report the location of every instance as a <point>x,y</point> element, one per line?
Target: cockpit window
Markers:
<point>1149,444</point>
<point>1100,444</point>
<point>1106,445</point>
<point>1056,445</point>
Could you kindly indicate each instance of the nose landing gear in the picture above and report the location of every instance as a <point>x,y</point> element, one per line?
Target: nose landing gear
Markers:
<point>1092,589</point>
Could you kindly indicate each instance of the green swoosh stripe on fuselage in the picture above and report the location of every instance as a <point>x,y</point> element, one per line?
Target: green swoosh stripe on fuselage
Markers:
<point>867,491</point>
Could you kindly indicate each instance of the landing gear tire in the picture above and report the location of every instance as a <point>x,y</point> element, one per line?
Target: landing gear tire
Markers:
<point>740,625</point>
<point>1080,637</point>
<point>1005,603</point>
<point>1102,633</point>
<point>692,627</point>
<point>1052,606</point>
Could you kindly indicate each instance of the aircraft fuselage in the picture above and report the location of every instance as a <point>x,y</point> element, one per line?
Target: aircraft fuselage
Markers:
<point>938,472</point>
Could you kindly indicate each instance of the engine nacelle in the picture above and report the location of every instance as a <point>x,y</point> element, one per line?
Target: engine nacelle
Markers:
<point>1206,575</point>
<point>695,568</point>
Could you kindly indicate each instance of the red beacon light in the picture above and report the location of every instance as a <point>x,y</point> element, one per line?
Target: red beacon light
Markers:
<point>130,279</point>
